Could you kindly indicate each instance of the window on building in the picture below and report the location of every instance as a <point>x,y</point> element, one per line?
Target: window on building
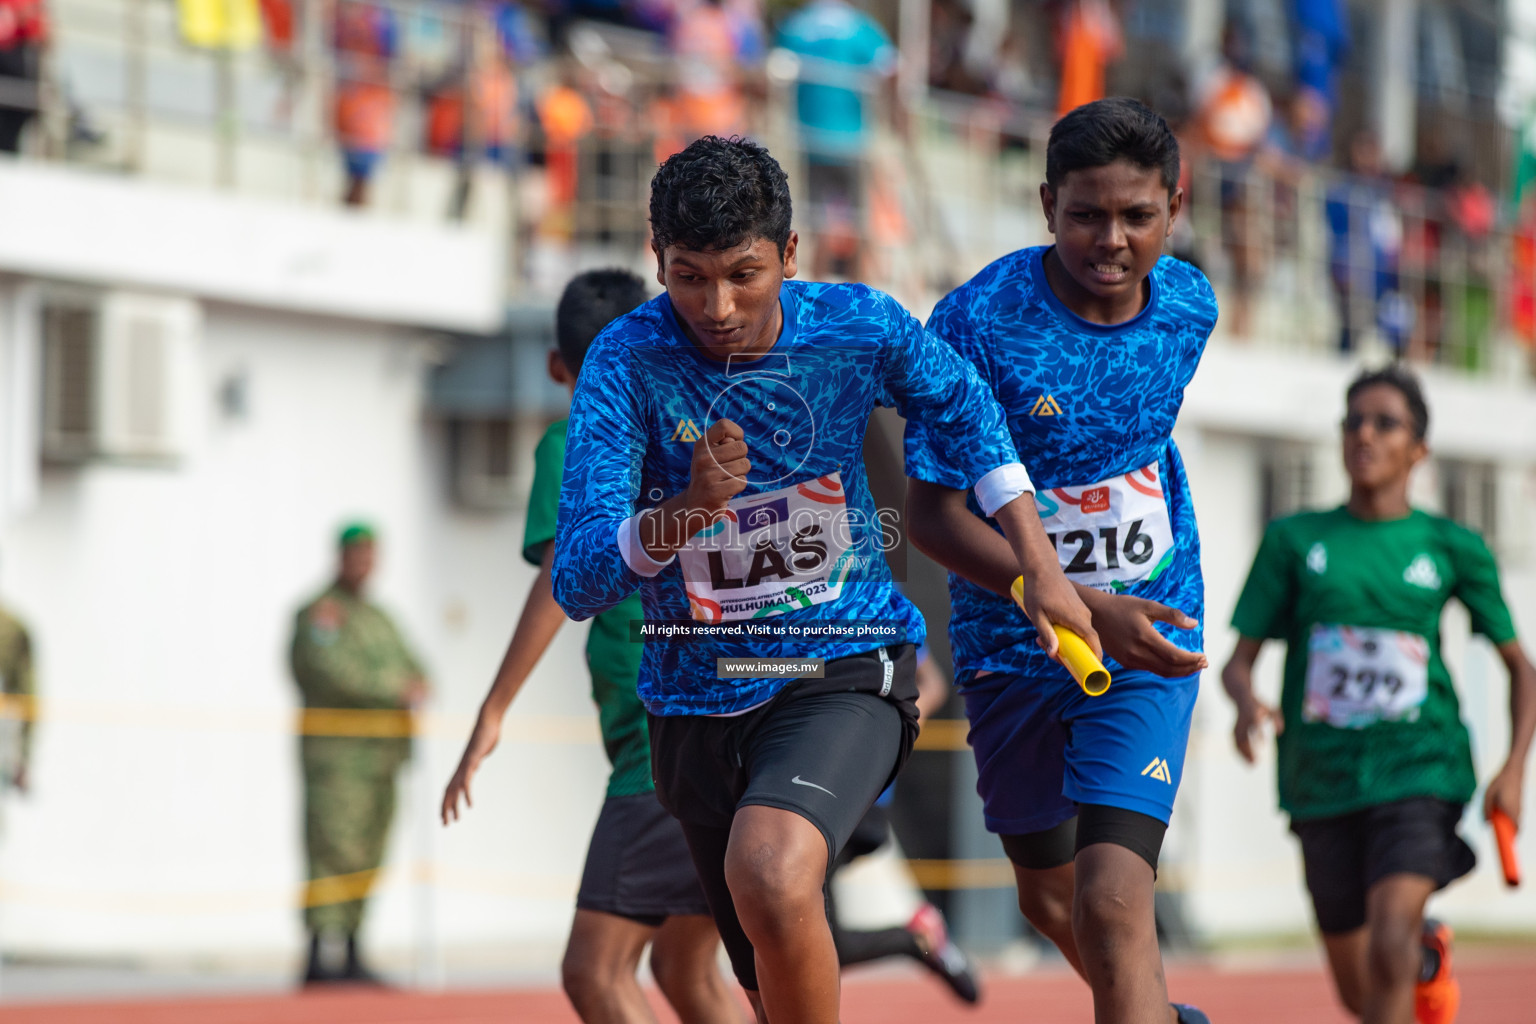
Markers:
<point>1469,494</point>
<point>1287,479</point>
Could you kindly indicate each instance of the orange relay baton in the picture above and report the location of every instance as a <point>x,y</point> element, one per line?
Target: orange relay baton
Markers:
<point>1074,652</point>
<point>1504,832</point>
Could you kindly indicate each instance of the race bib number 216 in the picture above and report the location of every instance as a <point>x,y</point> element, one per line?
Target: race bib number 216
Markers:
<point>1110,534</point>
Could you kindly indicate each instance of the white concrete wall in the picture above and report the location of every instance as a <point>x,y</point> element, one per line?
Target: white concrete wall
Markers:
<point>164,818</point>
<point>165,815</point>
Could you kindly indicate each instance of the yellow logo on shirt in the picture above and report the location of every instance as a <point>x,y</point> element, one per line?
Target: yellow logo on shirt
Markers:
<point>1045,405</point>
<point>1158,770</point>
<point>686,430</point>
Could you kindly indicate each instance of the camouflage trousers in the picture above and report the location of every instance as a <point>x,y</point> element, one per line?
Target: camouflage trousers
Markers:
<point>349,802</point>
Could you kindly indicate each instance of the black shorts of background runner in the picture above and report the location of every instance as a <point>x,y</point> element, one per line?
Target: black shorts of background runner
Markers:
<point>821,748</point>
<point>1345,855</point>
<point>638,866</point>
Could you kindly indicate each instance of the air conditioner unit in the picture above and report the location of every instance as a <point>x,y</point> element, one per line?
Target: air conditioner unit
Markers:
<point>487,462</point>
<point>118,375</point>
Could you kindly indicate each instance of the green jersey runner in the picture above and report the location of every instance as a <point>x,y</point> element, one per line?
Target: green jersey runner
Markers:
<point>612,657</point>
<point>1370,714</point>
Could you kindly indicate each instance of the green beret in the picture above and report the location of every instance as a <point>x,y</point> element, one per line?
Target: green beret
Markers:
<point>356,533</point>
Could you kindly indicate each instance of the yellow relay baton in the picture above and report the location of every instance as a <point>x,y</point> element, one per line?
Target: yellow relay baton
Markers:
<point>1074,651</point>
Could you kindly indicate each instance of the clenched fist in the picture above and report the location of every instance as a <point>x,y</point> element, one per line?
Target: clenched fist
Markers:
<point>719,470</point>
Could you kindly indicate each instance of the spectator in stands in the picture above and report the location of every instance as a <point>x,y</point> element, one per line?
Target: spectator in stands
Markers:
<point>710,43</point>
<point>1365,243</point>
<point>846,57</point>
<point>1447,219</point>
<point>490,131</point>
<point>565,118</point>
<point>1090,40</point>
<point>1233,113</point>
<point>23,33</point>
<point>1295,144</point>
<point>1321,46</point>
<point>365,101</point>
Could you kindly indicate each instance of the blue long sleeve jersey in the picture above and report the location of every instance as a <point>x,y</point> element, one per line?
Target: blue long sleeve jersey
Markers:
<point>804,540</point>
<point>1091,407</point>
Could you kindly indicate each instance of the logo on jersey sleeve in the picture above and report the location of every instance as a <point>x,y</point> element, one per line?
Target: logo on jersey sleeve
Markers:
<point>1158,769</point>
<point>1045,405</point>
<point>1421,572</point>
<point>1317,559</point>
<point>686,430</point>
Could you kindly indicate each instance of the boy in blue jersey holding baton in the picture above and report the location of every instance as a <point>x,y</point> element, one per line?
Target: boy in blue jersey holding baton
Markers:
<point>1088,345</point>
<point>714,461</point>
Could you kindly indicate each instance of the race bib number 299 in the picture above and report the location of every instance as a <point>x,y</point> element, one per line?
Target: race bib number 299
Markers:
<point>1110,534</point>
<point>1358,676</point>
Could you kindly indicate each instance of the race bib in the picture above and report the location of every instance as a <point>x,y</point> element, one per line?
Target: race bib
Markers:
<point>1358,676</point>
<point>1110,534</point>
<point>770,553</point>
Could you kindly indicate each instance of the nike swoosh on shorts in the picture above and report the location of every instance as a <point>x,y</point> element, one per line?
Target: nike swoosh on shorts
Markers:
<point>797,780</point>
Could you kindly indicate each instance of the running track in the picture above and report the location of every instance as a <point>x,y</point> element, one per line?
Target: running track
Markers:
<point>1498,990</point>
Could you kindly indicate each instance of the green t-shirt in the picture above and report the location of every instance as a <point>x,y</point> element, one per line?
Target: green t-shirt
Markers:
<point>1370,712</point>
<point>612,657</point>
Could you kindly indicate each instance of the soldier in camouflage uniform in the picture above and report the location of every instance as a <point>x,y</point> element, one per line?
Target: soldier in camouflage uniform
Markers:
<point>16,680</point>
<point>347,654</point>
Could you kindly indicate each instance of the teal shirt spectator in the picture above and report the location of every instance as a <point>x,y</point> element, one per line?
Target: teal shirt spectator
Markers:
<point>844,52</point>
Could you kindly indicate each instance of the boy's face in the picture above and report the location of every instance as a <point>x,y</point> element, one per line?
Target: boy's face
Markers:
<point>1110,223</point>
<point>728,300</point>
<point>1380,448</point>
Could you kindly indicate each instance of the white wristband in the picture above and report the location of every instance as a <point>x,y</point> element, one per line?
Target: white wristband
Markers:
<point>1001,486</point>
<point>634,553</point>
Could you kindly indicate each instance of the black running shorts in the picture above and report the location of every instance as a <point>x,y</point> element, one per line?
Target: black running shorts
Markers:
<point>821,748</point>
<point>638,865</point>
<point>1344,856</point>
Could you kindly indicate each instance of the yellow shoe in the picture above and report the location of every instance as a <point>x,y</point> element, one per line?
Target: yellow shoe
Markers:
<point>1437,996</point>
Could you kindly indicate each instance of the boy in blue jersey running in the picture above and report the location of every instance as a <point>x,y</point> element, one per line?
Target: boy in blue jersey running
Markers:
<point>715,461</point>
<point>638,887</point>
<point>1088,345</point>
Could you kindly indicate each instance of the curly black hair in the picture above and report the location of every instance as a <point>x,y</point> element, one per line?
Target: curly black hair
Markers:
<point>1099,133</point>
<point>591,301</point>
<point>718,194</point>
<point>1396,375</point>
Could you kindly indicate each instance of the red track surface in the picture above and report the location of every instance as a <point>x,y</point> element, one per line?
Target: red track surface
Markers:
<point>1496,991</point>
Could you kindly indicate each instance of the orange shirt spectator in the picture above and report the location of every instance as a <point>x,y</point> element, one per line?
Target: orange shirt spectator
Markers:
<point>1235,111</point>
<point>493,92</point>
<point>1090,41</point>
<point>565,118</point>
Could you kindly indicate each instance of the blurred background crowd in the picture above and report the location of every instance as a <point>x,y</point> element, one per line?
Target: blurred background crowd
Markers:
<point>1363,157</point>
<point>270,266</point>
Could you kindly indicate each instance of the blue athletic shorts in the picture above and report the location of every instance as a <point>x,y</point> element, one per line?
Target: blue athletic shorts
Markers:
<point>1043,746</point>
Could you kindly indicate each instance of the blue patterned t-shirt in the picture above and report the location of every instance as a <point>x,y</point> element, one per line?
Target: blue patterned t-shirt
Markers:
<point>646,394</point>
<point>1091,408</point>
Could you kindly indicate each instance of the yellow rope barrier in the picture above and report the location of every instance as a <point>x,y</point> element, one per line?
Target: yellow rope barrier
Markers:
<point>937,735</point>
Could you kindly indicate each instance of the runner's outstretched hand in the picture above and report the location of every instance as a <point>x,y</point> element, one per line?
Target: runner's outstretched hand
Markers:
<point>1252,713</point>
<point>1125,627</point>
<point>1504,792</point>
<point>481,742</point>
